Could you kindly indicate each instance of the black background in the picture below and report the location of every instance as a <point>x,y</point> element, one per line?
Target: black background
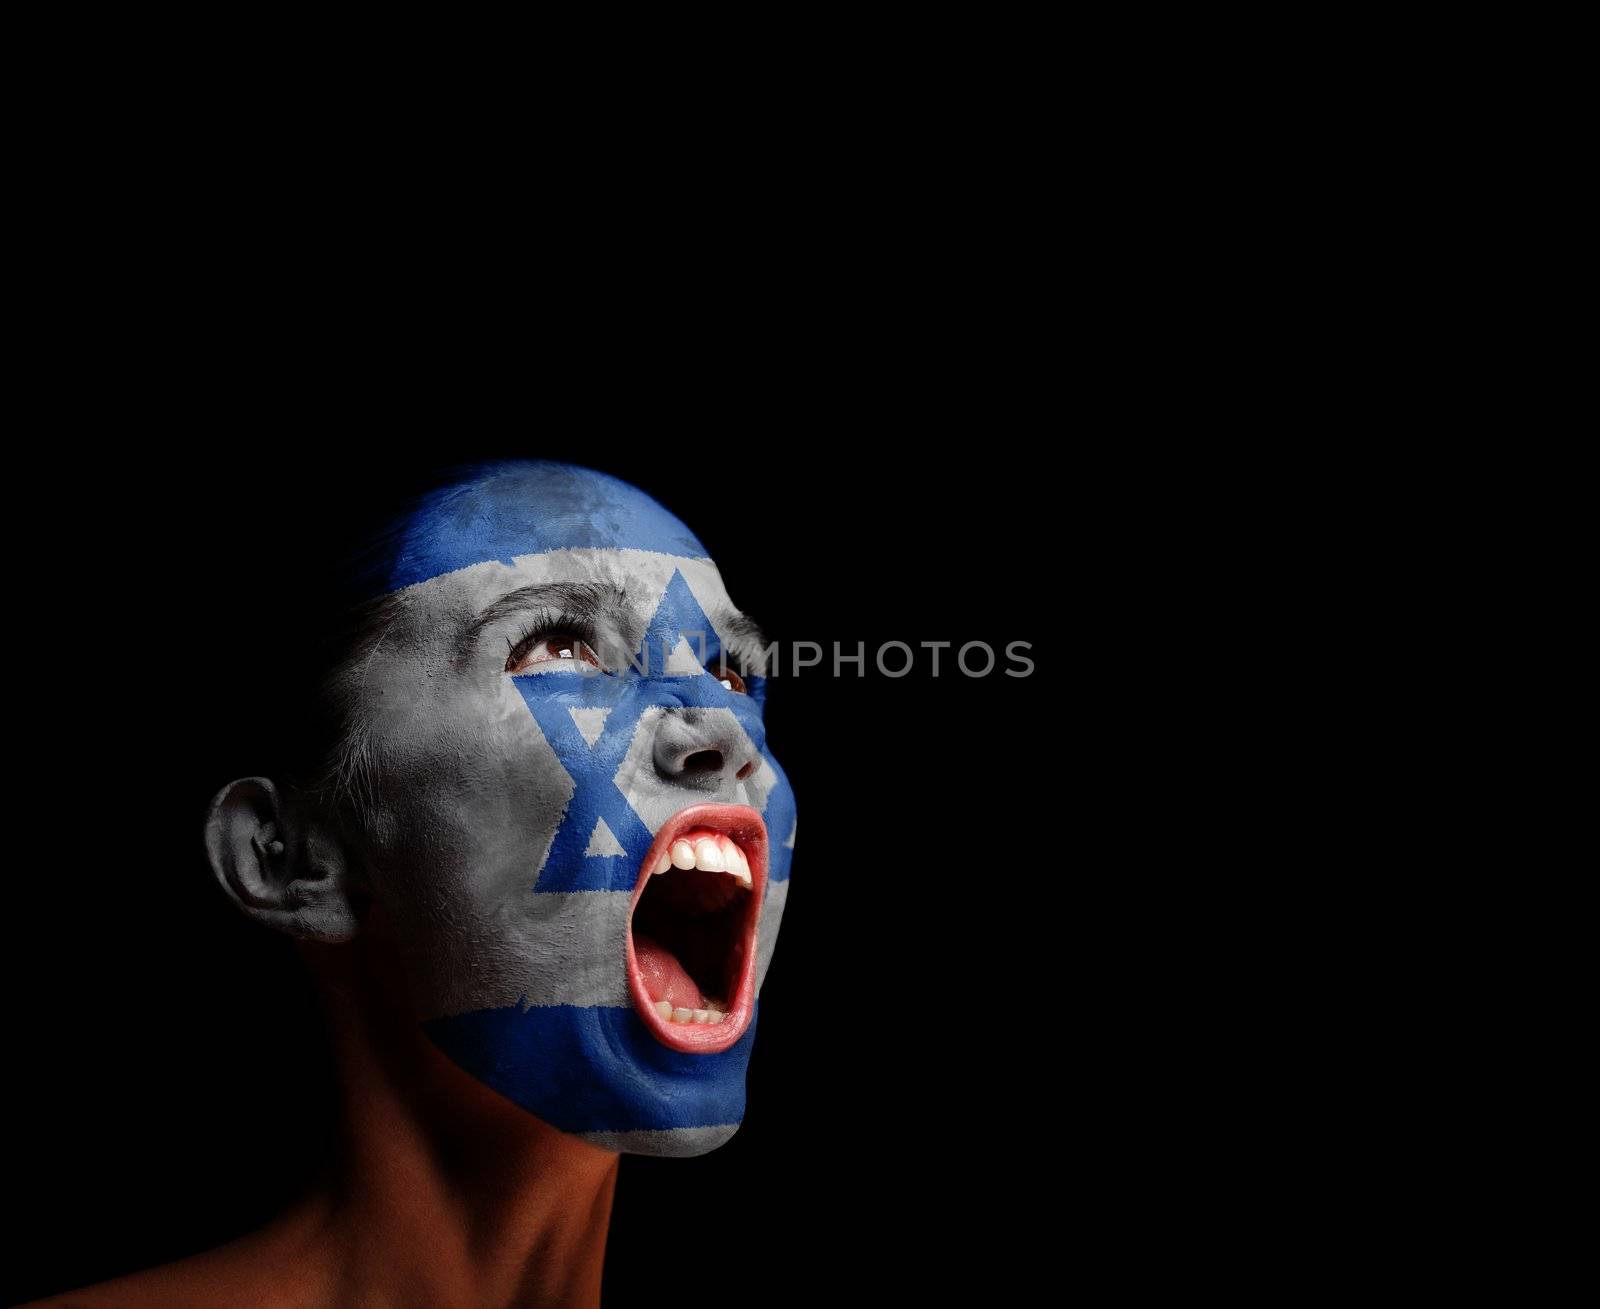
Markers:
<point>924,1023</point>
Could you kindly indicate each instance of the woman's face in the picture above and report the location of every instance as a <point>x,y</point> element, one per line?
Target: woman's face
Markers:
<point>561,703</point>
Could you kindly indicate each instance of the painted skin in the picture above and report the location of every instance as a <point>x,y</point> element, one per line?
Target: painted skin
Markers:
<point>520,771</point>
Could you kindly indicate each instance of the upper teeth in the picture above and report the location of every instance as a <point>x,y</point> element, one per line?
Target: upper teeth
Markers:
<point>708,850</point>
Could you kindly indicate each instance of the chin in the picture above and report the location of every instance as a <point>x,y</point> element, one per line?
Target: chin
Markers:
<point>660,1069</point>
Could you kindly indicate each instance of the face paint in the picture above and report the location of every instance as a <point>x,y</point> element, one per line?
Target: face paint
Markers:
<point>585,857</point>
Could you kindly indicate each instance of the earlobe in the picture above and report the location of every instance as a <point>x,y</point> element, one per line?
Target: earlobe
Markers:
<point>281,870</point>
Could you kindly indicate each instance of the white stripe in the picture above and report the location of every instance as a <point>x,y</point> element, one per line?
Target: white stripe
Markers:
<point>569,950</point>
<point>678,1142</point>
<point>767,940</point>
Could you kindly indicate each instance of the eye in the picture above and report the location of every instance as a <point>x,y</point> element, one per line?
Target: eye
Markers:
<point>728,675</point>
<point>543,649</point>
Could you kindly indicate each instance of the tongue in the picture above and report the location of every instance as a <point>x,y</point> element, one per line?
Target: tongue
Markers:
<point>664,978</point>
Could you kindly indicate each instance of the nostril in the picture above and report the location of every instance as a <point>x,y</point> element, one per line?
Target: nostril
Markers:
<point>703,761</point>
<point>745,771</point>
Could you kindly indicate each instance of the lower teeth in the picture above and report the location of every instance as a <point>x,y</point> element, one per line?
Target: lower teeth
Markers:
<point>690,1016</point>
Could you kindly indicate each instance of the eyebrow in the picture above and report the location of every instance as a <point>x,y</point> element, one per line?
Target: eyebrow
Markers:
<point>743,635</point>
<point>583,599</point>
<point>740,629</point>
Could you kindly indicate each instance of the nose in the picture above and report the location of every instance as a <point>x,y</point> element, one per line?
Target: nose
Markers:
<point>704,749</point>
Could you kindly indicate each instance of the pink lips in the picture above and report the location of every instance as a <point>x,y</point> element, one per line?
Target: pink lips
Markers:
<point>719,947</point>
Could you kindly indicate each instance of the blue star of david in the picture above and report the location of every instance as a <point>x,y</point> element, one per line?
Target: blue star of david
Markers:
<point>593,768</point>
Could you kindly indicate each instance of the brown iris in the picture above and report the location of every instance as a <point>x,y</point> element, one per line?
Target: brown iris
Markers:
<point>729,677</point>
<point>550,648</point>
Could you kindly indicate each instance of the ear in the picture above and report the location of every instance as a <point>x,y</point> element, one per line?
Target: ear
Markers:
<point>288,874</point>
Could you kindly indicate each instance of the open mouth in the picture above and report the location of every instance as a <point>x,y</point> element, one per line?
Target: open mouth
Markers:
<point>692,927</point>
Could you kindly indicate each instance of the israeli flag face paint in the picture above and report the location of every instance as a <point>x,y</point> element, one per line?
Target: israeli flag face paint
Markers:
<point>572,817</point>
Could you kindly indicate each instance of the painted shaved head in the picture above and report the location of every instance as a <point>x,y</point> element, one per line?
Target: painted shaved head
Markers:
<point>548,737</point>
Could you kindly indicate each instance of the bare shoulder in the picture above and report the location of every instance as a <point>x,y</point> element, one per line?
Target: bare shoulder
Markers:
<point>255,1270</point>
<point>170,1284</point>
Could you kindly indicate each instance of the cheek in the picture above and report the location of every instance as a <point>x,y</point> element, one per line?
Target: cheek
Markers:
<point>775,799</point>
<point>468,799</point>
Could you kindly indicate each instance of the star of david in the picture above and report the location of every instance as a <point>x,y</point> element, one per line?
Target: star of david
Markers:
<point>601,838</point>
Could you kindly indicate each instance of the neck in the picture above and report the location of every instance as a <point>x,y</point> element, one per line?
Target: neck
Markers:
<point>444,1192</point>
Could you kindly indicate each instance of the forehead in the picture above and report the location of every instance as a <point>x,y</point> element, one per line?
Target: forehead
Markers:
<point>513,512</point>
<point>637,580</point>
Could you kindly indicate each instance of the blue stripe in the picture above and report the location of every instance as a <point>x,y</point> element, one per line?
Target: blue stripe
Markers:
<point>595,1069</point>
<point>524,508</point>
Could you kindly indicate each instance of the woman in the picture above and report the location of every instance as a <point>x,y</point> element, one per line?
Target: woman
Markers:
<point>537,867</point>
